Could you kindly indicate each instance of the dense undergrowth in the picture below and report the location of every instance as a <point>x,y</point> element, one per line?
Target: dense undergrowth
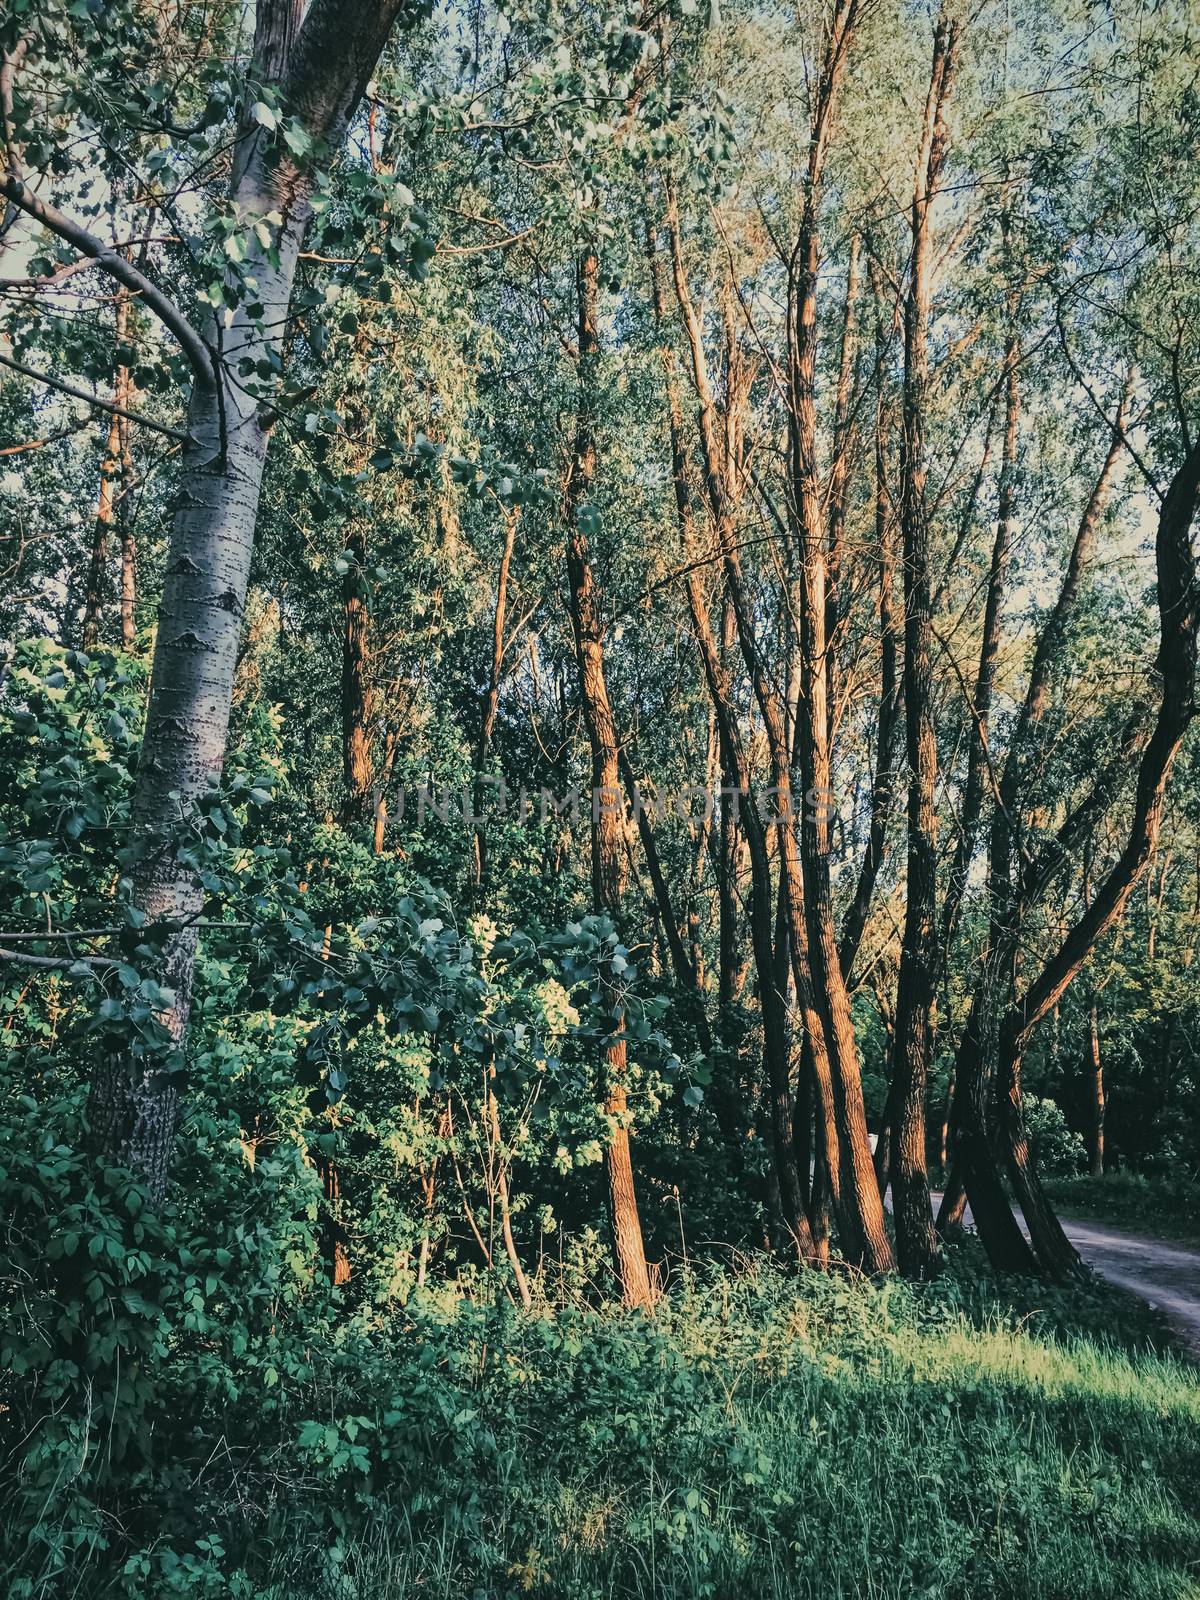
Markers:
<point>188,1416</point>
<point>187,1406</point>
<point>1162,1206</point>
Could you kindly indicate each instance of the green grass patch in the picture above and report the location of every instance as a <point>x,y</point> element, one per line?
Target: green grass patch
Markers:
<point>763,1435</point>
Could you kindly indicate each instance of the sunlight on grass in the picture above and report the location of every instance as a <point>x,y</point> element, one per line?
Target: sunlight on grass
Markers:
<point>790,1439</point>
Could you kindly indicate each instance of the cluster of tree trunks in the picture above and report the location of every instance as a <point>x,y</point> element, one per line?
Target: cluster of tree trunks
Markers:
<point>803,964</point>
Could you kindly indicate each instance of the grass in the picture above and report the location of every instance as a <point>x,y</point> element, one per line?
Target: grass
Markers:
<point>1165,1207</point>
<point>765,1437</point>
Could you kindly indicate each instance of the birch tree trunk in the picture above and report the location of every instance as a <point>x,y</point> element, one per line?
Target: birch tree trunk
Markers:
<point>322,69</point>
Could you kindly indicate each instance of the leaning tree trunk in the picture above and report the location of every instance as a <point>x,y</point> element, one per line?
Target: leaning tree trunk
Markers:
<point>322,71</point>
<point>1179,612</point>
<point>608,842</point>
<point>976,1174</point>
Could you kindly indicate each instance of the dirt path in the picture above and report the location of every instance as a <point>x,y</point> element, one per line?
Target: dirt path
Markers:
<point>1166,1275</point>
<point>1163,1273</point>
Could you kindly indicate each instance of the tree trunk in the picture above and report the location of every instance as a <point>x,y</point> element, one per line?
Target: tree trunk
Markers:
<point>608,843</point>
<point>97,574</point>
<point>975,1166</point>
<point>125,521</point>
<point>356,691</point>
<point>110,471</point>
<point>506,1232</point>
<point>491,702</point>
<point>839,478</point>
<point>883,785</point>
<point>333,1234</point>
<point>860,1214</point>
<point>1095,1072</point>
<point>989,649</point>
<point>944,1130</point>
<point>739,812</point>
<point>682,965</point>
<point>1178,603</point>
<point>916,987</point>
<point>722,477</point>
<point>322,74</point>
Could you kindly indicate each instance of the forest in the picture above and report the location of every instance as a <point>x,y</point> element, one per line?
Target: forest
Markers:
<point>599,826</point>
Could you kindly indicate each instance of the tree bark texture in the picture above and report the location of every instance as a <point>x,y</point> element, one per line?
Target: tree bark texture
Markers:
<point>322,70</point>
<point>608,832</point>
<point>863,1235</point>
<point>916,987</point>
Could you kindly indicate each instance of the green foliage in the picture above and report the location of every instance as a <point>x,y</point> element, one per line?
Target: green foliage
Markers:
<point>749,1438</point>
<point>306,1373</point>
<point>1057,1150</point>
<point>1167,1206</point>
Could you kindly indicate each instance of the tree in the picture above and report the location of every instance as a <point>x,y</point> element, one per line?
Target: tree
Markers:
<point>607,805</point>
<point>318,70</point>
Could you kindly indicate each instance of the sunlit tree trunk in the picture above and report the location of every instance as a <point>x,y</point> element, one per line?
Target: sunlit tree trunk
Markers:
<point>355,685</point>
<point>916,987</point>
<point>860,1213</point>
<point>722,475</point>
<point>125,521</point>
<point>608,843</point>
<point>1095,1078</point>
<point>740,814</point>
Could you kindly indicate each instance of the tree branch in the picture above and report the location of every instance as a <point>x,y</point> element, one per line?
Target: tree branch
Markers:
<point>199,354</point>
<point>54,963</point>
<point>92,399</point>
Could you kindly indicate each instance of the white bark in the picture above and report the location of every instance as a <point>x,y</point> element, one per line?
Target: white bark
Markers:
<point>212,538</point>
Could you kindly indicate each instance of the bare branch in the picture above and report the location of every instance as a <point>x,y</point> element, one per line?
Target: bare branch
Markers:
<point>53,963</point>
